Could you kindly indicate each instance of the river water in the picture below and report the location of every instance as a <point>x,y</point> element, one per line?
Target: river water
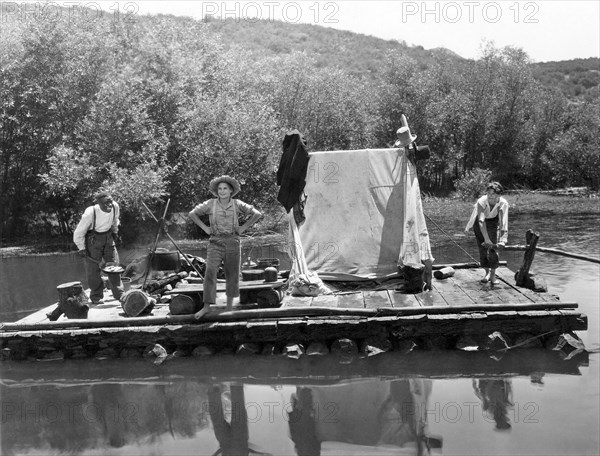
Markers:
<point>534,404</point>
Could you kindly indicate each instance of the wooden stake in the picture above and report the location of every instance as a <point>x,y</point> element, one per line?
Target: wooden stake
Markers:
<point>522,276</point>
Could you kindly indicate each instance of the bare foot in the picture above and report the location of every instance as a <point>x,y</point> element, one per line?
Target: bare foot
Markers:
<point>202,312</point>
<point>486,278</point>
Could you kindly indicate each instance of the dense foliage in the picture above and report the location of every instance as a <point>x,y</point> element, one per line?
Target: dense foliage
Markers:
<point>157,107</point>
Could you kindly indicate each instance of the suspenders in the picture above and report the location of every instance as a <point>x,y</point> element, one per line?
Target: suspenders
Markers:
<point>94,220</point>
<point>213,216</point>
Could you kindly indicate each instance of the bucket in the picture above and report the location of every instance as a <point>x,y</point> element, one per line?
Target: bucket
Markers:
<point>126,283</point>
<point>268,262</point>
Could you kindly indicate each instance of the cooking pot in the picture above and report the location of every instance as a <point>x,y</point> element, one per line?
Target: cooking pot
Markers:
<point>165,260</point>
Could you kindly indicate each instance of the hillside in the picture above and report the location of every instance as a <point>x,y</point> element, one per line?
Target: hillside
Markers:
<point>363,55</point>
<point>575,78</point>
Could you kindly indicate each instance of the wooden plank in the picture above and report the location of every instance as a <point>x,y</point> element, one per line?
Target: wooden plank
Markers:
<point>325,301</point>
<point>445,286</point>
<point>503,292</point>
<point>297,301</point>
<point>353,300</point>
<point>376,299</point>
<point>469,281</point>
<point>508,276</point>
<point>453,294</point>
<point>399,299</point>
<point>458,299</point>
<point>430,298</point>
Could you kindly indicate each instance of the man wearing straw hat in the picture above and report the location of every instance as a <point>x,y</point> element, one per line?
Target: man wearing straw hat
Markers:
<point>95,238</point>
<point>224,243</point>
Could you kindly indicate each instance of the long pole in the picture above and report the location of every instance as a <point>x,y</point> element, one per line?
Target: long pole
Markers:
<point>554,251</point>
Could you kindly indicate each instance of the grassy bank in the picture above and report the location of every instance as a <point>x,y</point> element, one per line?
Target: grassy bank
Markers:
<point>436,208</point>
<point>520,203</point>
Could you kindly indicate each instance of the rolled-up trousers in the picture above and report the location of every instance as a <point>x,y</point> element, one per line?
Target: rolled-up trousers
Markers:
<point>226,249</point>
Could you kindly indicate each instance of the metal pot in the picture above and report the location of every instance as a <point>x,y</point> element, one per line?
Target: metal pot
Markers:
<point>164,260</point>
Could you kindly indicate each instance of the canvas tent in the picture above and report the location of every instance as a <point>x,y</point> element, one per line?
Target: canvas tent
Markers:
<point>364,215</point>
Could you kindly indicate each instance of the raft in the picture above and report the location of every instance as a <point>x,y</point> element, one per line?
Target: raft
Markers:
<point>459,312</point>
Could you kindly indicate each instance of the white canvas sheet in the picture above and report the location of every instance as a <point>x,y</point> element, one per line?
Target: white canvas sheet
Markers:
<point>364,214</point>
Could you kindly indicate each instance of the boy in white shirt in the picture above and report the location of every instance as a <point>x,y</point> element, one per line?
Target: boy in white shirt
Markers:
<point>490,218</point>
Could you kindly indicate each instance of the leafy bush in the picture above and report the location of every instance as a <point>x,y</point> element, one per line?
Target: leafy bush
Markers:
<point>473,183</point>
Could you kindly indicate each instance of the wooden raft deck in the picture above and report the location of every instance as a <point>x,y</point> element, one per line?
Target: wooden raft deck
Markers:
<point>456,308</point>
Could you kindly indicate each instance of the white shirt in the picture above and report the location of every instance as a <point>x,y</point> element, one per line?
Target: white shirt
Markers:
<point>491,212</point>
<point>105,221</point>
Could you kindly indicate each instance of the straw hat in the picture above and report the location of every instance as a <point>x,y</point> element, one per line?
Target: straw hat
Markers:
<point>233,183</point>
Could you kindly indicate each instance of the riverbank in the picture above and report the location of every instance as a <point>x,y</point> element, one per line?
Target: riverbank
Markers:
<point>523,202</point>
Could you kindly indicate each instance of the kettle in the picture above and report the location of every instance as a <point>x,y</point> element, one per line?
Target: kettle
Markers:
<point>249,264</point>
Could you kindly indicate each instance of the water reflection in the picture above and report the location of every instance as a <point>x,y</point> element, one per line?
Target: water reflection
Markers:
<point>232,405</point>
<point>231,429</point>
<point>366,416</point>
<point>496,399</point>
<point>363,417</point>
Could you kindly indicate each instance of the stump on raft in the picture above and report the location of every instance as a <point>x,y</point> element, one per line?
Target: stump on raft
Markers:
<point>72,301</point>
<point>413,277</point>
<point>523,277</point>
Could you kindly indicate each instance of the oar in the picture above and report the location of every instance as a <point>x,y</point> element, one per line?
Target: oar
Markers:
<point>555,251</point>
<point>174,243</point>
